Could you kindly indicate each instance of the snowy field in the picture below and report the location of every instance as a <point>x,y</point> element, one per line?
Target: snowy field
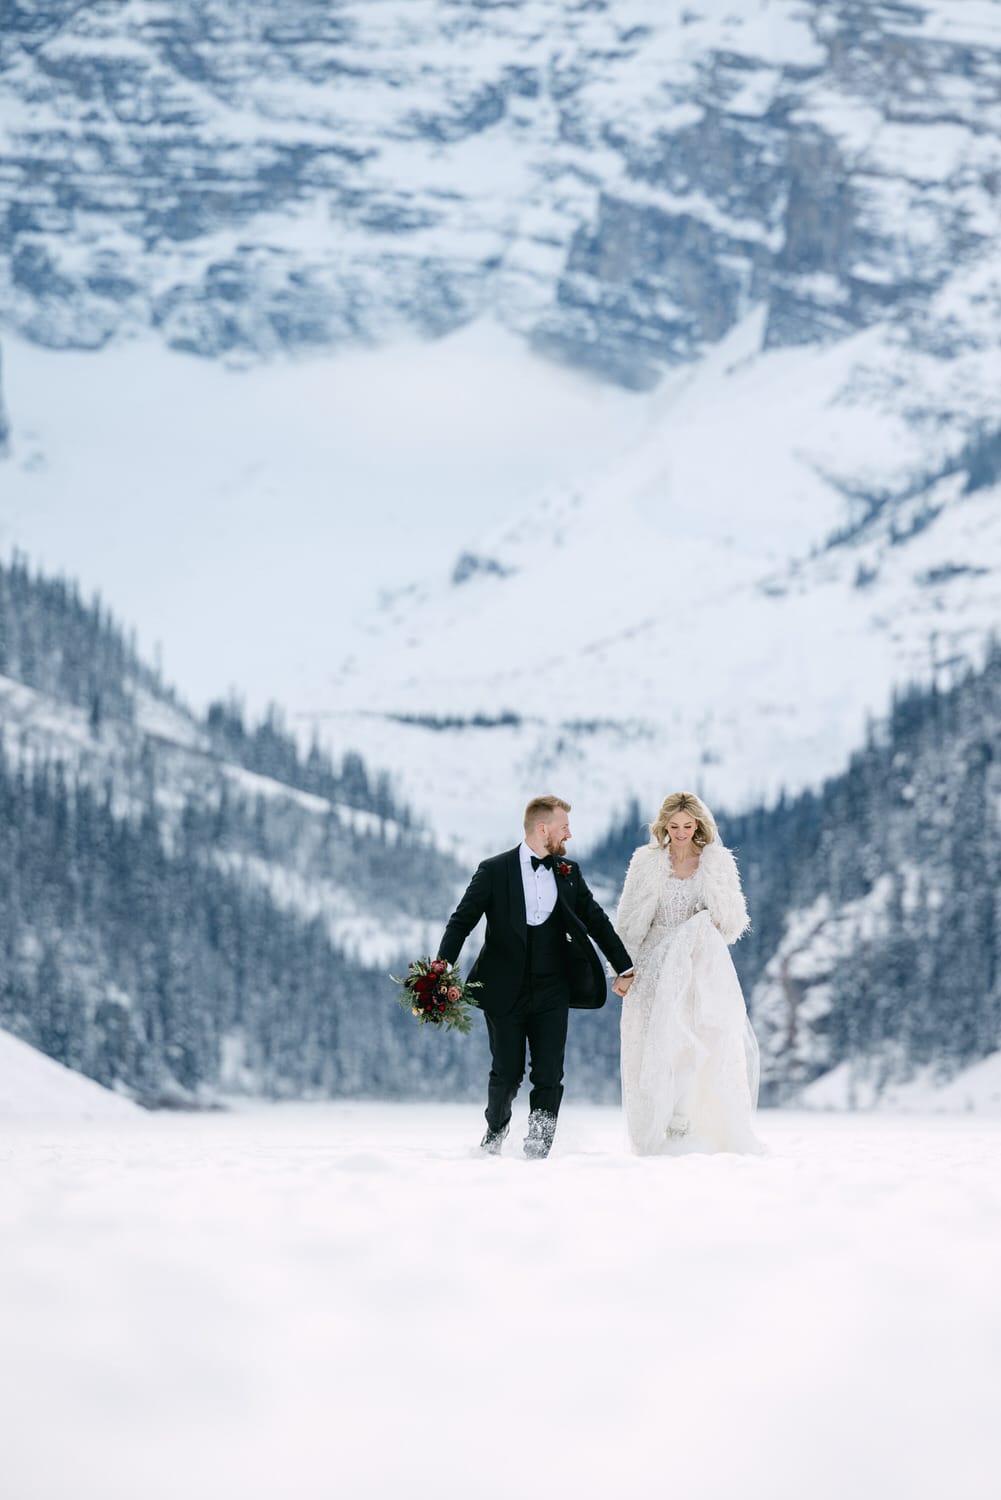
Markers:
<point>343,1300</point>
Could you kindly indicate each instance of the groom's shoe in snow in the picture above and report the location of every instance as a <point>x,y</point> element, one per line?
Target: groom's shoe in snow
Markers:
<point>493,1141</point>
<point>541,1129</point>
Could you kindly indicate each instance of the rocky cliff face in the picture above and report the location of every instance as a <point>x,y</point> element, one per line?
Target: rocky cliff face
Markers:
<point>618,181</point>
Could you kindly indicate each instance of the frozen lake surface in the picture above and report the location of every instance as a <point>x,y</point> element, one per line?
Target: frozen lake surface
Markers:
<point>343,1300</point>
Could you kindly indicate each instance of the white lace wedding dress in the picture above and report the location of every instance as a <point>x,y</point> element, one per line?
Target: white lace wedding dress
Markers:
<point>689,1057</point>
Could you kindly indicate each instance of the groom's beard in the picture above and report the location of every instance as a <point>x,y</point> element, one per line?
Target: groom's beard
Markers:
<point>556,847</point>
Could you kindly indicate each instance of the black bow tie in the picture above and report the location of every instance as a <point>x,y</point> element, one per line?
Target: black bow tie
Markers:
<point>546,860</point>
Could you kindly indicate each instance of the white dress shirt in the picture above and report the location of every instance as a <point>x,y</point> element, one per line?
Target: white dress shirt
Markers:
<point>540,889</point>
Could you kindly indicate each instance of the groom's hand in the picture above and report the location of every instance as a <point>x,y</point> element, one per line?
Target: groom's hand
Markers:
<point>620,985</point>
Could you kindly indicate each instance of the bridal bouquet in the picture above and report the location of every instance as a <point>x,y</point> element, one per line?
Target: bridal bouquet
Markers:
<point>436,995</point>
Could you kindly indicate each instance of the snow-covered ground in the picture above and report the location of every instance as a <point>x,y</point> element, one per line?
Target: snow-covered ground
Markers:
<point>343,1300</point>
<point>34,1087</point>
<point>369,541</point>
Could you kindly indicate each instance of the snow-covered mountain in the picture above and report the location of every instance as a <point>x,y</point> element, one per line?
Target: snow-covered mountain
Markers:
<point>723,607</point>
<point>781,220</point>
<point>241,520</point>
<point>622,181</point>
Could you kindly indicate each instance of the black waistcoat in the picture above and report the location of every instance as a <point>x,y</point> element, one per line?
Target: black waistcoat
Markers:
<point>547,948</point>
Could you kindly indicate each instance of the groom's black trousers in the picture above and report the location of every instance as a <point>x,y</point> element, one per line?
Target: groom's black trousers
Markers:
<point>544,1033</point>
<point>537,1022</point>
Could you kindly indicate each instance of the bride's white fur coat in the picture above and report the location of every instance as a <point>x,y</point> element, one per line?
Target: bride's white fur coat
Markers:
<point>719,888</point>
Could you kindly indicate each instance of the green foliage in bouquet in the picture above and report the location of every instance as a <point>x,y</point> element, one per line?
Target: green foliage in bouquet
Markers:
<point>437,996</point>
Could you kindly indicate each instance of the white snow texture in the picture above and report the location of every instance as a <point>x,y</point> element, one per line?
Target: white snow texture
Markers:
<point>343,1300</point>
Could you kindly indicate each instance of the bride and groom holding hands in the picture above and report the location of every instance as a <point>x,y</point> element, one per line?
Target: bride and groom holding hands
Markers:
<point>689,1057</point>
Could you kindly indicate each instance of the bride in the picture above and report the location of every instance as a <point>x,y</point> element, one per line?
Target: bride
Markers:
<point>689,1056</point>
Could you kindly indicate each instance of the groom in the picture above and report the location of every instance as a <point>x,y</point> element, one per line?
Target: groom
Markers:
<point>535,963</point>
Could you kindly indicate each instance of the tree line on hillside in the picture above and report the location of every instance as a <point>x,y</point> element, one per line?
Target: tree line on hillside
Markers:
<point>153,930</point>
<point>131,955</point>
<point>151,899</point>
<point>53,640</point>
<point>74,650</point>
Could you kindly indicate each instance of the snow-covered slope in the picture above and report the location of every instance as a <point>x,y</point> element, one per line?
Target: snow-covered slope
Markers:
<point>241,519</point>
<point>34,1088</point>
<point>317,858</point>
<point>786,212</point>
<point>722,607</point>
<point>975,1091</point>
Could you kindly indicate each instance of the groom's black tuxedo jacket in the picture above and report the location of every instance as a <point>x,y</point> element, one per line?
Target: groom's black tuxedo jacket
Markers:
<point>497,890</point>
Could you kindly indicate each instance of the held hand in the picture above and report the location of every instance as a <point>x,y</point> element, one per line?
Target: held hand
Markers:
<point>620,986</point>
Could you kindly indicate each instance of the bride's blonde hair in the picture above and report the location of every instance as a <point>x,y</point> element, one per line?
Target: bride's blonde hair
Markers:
<point>705,824</point>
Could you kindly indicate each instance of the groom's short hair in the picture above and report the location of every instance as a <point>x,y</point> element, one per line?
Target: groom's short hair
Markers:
<point>541,809</point>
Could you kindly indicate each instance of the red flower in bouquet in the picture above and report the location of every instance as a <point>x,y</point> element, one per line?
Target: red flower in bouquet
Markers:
<point>434,992</point>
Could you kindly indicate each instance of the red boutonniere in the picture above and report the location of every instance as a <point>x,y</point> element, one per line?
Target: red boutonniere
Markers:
<point>563,868</point>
